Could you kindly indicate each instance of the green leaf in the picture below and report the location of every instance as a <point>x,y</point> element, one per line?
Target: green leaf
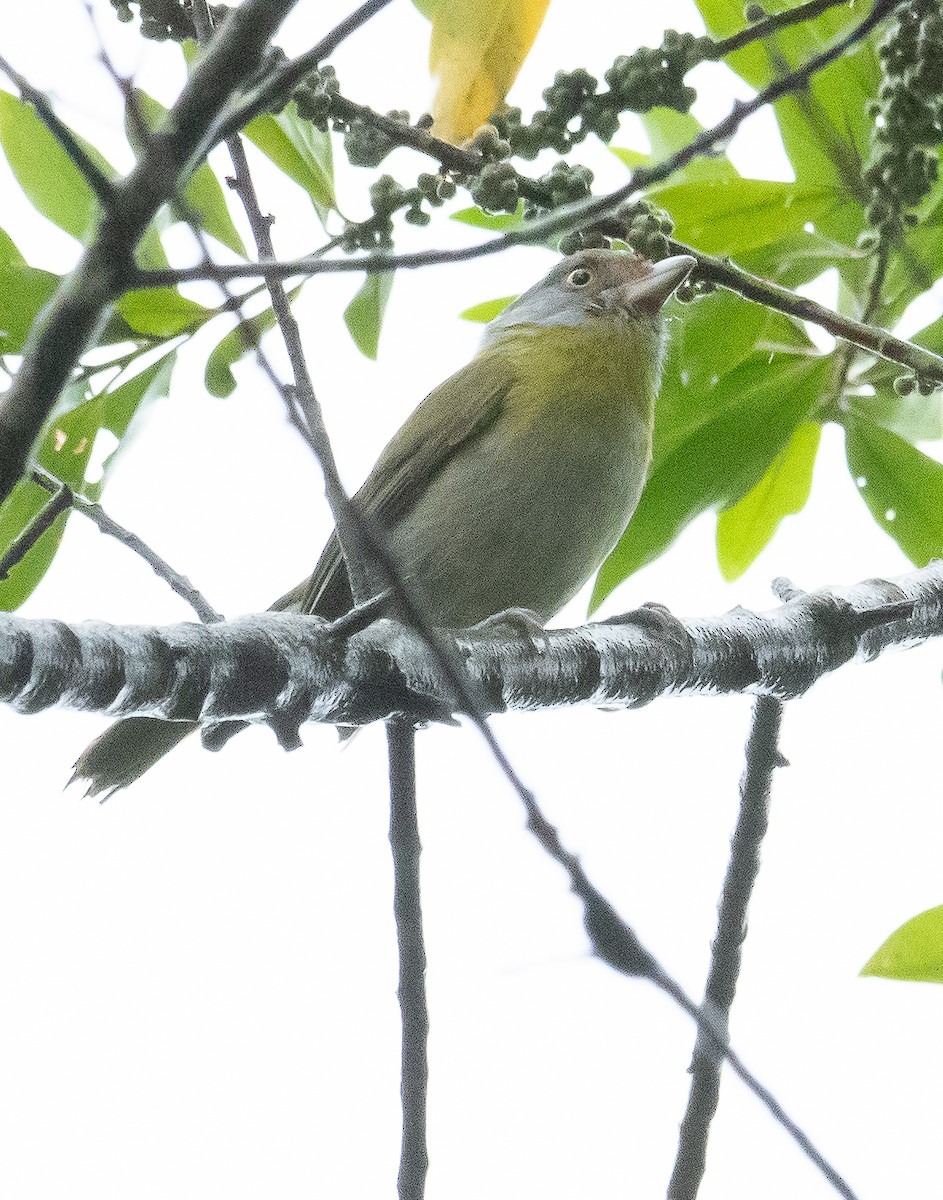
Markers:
<point>24,292</point>
<point>733,216</point>
<point>914,951</point>
<point>668,131</point>
<point>916,418</point>
<point>203,196</point>
<point>748,526</point>
<point>301,151</point>
<point>693,389</point>
<point>825,128</point>
<point>239,342</point>
<point>64,450</point>
<point>913,417</point>
<point>756,410</point>
<point>485,220</point>
<point>902,487</point>
<point>9,255</point>
<point>804,256</point>
<point>121,403</point>
<point>632,158</point>
<point>53,183</point>
<point>364,314</point>
<point>162,312</point>
<point>487,310</point>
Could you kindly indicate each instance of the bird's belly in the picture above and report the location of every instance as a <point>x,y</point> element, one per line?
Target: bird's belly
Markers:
<point>528,531</point>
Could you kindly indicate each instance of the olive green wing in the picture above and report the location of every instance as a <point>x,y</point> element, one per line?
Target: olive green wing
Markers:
<point>453,415</point>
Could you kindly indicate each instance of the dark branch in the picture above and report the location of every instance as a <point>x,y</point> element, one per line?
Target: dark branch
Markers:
<point>762,757</point>
<point>65,497</point>
<point>286,669</point>
<point>857,333</point>
<point>770,25</point>
<point>84,297</point>
<point>616,943</point>
<point>407,909</point>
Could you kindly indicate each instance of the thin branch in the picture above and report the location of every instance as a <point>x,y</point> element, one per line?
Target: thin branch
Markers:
<point>302,403</point>
<point>280,84</point>
<point>719,270</point>
<point>46,517</point>
<point>858,333</point>
<point>569,216</point>
<point>70,321</point>
<point>305,413</point>
<point>407,908</point>
<point>97,515</point>
<point>371,566</point>
<point>93,176</point>
<point>772,24</point>
<point>284,81</point>
<point>617,944</point>
<point>762,757</point>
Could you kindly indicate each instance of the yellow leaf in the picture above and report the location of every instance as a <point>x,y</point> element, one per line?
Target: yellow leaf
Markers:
<point>477,49</point>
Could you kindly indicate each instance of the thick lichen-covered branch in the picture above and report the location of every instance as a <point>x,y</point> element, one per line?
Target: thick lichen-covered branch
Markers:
<point>286,669</point>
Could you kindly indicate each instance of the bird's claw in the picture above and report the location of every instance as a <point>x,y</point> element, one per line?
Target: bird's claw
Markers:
<point>515,622</point>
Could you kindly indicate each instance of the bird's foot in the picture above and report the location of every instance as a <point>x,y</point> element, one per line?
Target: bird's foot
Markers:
<point>515,622</point>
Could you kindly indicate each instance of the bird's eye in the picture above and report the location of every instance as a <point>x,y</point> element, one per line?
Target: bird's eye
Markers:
<point>579,277</point>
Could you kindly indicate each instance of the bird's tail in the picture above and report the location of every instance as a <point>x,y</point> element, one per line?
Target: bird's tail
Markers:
<point>126,750</point>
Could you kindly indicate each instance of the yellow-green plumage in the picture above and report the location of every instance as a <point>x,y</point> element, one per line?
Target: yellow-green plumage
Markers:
<point>513,479</point>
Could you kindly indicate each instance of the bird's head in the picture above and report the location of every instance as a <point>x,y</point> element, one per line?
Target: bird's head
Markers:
<point>609,285</point>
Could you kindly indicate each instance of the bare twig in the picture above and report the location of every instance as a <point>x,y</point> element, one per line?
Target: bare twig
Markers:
<point>46,517</point>
<point>617,944</point>
<point>95,513</point>
<point>772,24</point>
<point>407,908</point>
<point>305,413</point>
<point>762,757</point>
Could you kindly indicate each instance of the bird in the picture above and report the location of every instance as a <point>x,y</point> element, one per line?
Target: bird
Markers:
<point>507,487</point>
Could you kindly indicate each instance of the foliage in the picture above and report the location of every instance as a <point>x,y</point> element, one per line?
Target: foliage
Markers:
<point>743,385</point>
<point>914,951</point>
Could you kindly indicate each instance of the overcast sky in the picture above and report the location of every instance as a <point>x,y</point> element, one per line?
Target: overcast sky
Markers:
<point>199,991</point>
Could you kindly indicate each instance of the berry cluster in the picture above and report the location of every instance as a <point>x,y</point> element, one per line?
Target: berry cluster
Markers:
<point>575,108</point>
<point>166,20</point>
<point>365,144</point>
<point>564,183</point>
<point>388,197</point>
<point>908,119</point>
<point>314,95</point>
<point>908,126</point>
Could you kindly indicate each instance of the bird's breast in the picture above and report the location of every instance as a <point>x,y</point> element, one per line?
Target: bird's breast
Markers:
<point>523,515</point>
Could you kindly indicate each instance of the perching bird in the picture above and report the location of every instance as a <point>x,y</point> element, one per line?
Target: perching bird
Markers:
<point>511,482</point>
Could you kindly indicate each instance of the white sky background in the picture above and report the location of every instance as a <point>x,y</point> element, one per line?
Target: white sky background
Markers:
<point>198,993</point>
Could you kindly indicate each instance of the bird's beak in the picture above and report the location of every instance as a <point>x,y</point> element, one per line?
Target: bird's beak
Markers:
<point>651,291</point>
